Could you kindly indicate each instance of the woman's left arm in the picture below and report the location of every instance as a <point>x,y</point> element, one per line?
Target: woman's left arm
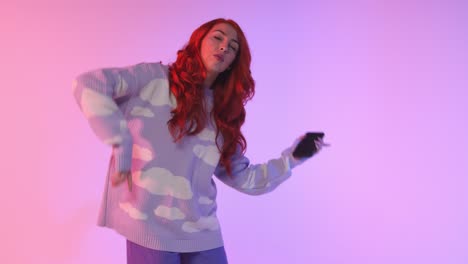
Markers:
<point>256,179</point>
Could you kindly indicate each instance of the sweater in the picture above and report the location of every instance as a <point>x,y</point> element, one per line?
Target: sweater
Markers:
<point>172,205</point>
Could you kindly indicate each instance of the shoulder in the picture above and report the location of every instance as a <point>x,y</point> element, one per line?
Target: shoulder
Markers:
<point>156,89</point>
<point>157,69</point>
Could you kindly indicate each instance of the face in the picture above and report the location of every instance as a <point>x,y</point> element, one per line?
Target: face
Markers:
<point>219,48</point>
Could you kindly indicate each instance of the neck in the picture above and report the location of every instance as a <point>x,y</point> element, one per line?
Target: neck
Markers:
<point>209,80</point>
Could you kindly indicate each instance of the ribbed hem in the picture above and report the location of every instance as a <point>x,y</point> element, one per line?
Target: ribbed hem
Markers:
<point>146,239</point>
<point>290,161</point>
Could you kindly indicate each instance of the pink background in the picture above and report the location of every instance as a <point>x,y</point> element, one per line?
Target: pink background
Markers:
<point>386,80</point>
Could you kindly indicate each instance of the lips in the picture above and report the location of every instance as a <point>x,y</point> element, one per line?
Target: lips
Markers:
<point>219,57</point>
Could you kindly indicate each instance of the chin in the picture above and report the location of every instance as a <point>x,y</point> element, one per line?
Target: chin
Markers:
<point>218,70</point>
<point>223,69</point>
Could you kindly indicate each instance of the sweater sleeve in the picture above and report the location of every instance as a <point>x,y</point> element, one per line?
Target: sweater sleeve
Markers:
<point>256,179</point>
<point>97,93</point>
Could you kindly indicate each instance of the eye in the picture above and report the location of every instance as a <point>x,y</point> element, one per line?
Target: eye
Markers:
<point>218,37</point>
<point>233,48</point>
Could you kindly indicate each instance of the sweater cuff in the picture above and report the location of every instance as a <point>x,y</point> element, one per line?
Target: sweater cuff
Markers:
<point>292,161</point>
<point>123,155</point>
<point>288,155</point>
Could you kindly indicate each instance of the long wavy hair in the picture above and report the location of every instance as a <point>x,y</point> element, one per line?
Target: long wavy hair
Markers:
<point>231,89</point>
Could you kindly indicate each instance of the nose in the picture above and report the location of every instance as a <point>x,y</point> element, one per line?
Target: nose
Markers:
<point>223,47</point>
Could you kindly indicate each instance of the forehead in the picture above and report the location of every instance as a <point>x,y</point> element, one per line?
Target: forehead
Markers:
<point>225,29</point>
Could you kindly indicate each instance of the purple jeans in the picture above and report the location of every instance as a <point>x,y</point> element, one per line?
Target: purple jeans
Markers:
<point>137,254</point>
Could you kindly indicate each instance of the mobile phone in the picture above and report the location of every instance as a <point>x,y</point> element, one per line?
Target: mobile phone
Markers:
<point>306,147</point>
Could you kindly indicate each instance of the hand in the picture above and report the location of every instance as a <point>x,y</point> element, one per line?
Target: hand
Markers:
<point>319,144</point>
<point>308,145</point>
<point>119,177</point>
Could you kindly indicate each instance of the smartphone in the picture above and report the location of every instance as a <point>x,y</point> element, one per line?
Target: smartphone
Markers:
<point>306,147</point>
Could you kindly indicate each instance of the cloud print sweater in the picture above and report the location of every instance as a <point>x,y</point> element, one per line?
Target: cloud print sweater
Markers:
<point>172,206</point>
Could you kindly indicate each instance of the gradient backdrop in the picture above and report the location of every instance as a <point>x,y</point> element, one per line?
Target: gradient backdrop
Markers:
<point>386,80</point>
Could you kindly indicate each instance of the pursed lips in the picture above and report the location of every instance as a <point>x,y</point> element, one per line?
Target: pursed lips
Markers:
<point>219,57</point>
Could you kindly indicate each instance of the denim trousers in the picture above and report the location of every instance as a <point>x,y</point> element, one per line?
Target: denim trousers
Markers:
<point>137,254</point>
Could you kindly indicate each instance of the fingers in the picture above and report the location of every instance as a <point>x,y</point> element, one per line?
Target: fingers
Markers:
<point>129,181</point>
<point>119,177</point>
<point>115,179</point>
<point>319,144</point>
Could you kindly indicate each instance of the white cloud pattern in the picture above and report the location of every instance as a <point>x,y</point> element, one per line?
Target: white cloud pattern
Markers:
<point>123,125</point>
<point>141,153</point>
<point>205,200</point>
<point>122,88</point>
<point>207,134</point>
<point>132,211</point>
<point>141,111</point>
<point>113,140</point>
<point>157,93</point>
<point>160,181</point>
<point>97,104</point>
<point>209,154</point>
<point>204,223</point>
<point>169,213</point>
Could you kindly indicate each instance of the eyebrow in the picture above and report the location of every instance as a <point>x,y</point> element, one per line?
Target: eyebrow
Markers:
<point>222,32</point>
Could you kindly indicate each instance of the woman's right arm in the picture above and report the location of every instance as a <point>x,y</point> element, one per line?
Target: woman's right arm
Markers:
<point>95,93</point>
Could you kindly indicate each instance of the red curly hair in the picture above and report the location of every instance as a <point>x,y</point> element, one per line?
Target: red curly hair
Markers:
<point>232,89</point>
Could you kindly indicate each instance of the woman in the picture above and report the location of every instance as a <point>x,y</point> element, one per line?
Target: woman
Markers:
<point>172,128</point>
